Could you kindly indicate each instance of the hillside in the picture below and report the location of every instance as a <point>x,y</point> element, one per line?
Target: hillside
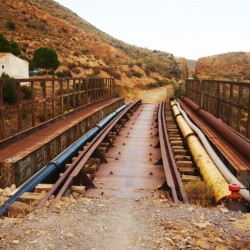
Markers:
<point>182,65</point>
<point>82,48</point>
<point>229,66</point>
<point>191,64</point>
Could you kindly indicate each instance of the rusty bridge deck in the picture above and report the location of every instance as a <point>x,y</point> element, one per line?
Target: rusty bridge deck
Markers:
<point>131,167</point>
<point>20,160</point>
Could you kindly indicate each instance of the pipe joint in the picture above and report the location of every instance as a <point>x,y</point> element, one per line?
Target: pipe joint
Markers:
<point>188,135</point>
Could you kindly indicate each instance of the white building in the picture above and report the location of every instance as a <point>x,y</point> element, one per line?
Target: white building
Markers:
<point>13,66</point>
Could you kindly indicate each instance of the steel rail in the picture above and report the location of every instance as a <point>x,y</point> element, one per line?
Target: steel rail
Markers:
<point>68,178</point>
<point>60,161</point>
<point>173,179</point>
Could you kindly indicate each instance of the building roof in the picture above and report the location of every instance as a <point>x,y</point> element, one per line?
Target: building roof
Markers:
<point>4,54</point>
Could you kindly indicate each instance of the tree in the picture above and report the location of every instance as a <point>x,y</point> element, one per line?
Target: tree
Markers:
<point>46,58</point>
<point>9,46</point>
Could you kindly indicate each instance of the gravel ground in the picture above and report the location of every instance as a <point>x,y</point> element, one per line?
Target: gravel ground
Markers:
<point>152,222</point>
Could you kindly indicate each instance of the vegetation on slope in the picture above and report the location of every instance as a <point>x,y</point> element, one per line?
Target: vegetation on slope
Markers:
<point>228,66</point>
<point>82,49</point>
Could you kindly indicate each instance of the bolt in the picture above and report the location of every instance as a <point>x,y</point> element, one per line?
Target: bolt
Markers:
<point>150,173</point>
<point>119,153</point>
<point>150,153</point>
<point>111,172</point>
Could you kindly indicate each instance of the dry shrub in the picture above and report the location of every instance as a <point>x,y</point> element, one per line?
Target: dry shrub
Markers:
<point>198,193</point>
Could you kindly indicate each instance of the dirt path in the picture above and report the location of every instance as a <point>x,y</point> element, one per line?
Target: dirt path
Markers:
<point>152,222</point>
<point>156,95</point>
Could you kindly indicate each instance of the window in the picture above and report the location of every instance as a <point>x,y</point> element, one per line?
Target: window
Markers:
<point>2,66</point>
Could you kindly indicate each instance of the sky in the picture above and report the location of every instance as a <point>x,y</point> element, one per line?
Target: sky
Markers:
<point>185,28</point>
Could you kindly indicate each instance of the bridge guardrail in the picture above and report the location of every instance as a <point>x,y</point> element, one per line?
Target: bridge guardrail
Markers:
<point>227,100</point>
<point>25,103</point>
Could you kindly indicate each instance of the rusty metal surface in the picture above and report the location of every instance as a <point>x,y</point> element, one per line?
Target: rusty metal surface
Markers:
<point>173,177</point>
<point>130,168</point>
<point>21,160</point>
<point>242,144</point>
<point>239,163</point>
<point>75,169</point>
<point>227,100</point>
<point>37,100</point>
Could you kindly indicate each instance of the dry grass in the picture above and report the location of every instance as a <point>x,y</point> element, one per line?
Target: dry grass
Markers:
<point>198,193</point>
<point>147,95</point>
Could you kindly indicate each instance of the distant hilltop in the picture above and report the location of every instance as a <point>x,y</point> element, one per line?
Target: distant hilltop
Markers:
<point>83,50</point>
<point>229,66</point>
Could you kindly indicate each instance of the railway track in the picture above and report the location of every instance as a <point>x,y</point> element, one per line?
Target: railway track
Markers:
<point>133,163</point>
<point>78,174</point>
<point>78,169</point>
<point>167,145</point>
<point>41,182</point>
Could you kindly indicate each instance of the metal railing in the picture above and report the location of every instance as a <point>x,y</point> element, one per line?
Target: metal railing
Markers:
<point>228,101</point>
<point>25,103</point>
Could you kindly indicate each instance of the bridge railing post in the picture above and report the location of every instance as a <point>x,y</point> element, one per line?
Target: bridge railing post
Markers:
<point>2,127</point>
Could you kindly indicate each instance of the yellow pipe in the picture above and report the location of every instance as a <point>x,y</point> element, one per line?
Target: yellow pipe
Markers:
<point>210,173</point>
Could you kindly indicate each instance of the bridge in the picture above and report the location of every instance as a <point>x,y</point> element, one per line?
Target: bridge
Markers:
<point>42,124</point>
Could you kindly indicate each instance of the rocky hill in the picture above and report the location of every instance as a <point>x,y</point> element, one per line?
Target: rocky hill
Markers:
<point>183,66</point>
<point>191,64</point>
<point>229,66</point>
<point>82,48</point>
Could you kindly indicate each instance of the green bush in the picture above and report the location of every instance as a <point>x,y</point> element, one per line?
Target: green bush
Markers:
<point>152,85</point>
<point>4,76</point>
<point>179,88</point>
<point>112,72</point>
<point>128,74</point>
<point>26,112</point>
<point>96,71</point>
<point>76,70</point>
<point>46,58</point>
<point>9,46</point>
<point>10,92</point>
<point>10,24</point>
<point>51,72</point>
<point>139,64</point>
<point>85,66</point>
<point>85,51</point>
<point>40,118</point>
<point>64,73</point>
<point>147,72</point>
<point>92,76</point>
<point>136,74</point>
<point>26,92</point>
<point>71,66</point>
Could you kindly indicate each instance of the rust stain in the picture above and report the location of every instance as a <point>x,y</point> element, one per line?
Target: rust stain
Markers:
<point>131,160</point>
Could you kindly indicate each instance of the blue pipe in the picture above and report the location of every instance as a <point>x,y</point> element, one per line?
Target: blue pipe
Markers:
<point>62,159</point>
